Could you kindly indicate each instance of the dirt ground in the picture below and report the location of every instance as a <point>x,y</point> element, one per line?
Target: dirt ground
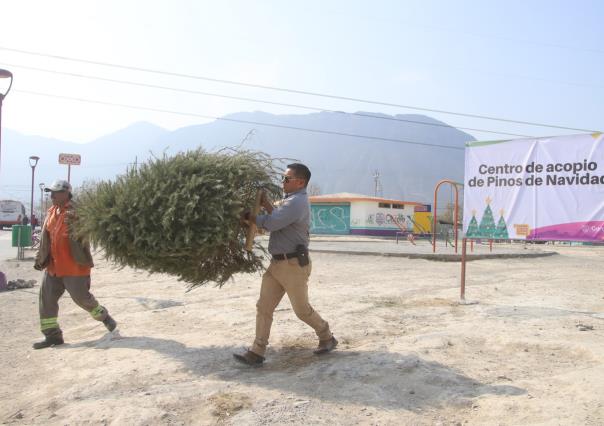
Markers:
<point>530,352</point>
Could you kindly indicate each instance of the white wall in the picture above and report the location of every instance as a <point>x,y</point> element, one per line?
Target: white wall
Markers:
<point>367,215</point>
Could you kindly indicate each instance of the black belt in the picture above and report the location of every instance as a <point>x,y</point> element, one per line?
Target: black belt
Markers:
<point>284,256</point>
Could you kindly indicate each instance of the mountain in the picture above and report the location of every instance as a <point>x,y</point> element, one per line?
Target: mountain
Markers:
<point>339,163</point>
<point>102,158</point>
<point>343,163</point>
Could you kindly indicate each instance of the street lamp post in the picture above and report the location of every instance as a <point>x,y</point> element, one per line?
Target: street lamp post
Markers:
<point>33,161</point>
<point>3,75</point>
<point>41,217</point>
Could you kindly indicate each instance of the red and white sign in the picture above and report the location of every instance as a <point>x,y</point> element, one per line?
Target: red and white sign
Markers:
<point>71,159</point>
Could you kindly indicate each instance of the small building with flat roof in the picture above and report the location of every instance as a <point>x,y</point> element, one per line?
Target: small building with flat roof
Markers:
<point>356,214</point>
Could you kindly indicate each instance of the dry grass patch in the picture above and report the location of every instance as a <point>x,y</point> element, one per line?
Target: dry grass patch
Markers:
<point>227,404</point>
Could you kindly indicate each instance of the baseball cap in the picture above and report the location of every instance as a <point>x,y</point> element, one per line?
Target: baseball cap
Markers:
<point>58,185</point>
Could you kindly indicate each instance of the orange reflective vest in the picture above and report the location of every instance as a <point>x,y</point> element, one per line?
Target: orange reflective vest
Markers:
<point>61,262</point>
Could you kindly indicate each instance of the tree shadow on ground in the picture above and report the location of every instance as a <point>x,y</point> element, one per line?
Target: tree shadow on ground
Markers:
<point>374,378</point>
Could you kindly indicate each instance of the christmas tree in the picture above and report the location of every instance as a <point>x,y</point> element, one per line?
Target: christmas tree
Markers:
<point>501,232</point>
<point>487,224</point>
<point>472,231</point>
<point>179,215</point>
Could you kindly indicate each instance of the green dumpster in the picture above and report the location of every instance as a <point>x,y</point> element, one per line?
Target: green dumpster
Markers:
<point>21,235</point>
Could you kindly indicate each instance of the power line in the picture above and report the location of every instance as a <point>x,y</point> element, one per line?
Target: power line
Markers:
<point>239,98</point>
<point>304,129</point>
<point>295,91</point>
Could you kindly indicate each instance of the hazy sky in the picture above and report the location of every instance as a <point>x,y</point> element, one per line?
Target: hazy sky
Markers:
<point>535,61</point>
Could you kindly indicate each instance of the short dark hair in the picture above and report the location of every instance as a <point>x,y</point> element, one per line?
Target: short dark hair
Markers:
<point>300,171</point>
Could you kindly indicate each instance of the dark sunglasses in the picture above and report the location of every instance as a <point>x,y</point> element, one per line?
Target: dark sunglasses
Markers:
<point>288,178</point>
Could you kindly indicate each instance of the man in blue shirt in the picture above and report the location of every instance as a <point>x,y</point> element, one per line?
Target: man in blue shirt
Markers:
<point>290,266</point>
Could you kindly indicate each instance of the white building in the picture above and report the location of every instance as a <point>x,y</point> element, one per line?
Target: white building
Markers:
<point>357,214</point>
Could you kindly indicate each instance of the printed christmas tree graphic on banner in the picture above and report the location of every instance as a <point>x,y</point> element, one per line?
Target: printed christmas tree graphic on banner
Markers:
<point>472,231</point>
<point>501,232</point>
<point>487,224</point>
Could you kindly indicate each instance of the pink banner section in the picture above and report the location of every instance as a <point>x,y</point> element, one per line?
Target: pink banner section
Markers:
<point>592,231</point>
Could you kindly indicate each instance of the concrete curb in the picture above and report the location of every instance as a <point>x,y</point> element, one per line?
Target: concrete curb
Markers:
<point>439,257</point>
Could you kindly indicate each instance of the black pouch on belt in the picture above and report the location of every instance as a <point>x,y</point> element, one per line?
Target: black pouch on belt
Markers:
<point>302,253</point>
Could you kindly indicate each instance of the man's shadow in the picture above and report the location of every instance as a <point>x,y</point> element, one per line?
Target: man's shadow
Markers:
<point>375,378</point>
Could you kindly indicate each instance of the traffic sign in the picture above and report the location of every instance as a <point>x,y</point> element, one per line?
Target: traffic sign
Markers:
<point>71,159</point>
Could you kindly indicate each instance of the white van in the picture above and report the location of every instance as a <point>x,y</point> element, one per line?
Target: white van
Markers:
<point>11,213</point>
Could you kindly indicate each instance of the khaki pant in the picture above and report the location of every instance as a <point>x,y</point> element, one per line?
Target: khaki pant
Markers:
<point>285,276</point>
<point>51,291</point>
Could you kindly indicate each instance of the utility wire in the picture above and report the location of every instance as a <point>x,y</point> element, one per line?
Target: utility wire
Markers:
<point>304,129</point>
<point>263,101</point>
<point>296,91</point>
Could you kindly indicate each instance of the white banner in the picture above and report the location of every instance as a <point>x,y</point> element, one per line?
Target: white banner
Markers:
<point>535,189</point>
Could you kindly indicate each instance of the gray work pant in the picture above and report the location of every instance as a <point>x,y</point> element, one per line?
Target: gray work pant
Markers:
<point>51,291</point>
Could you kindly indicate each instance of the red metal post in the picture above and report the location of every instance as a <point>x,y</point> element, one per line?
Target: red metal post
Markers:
<point>462,295</point>
<point>456,211</point>
<point>434,218</point>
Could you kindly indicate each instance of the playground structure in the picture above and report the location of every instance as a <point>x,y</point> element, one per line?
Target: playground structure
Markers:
<point>423,231</point>
<point>455,223</point>
<point>404,230</point>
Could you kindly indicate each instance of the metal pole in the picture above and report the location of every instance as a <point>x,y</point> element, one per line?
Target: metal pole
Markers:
<point>41,205</point>
<point>31,210</point>
<point>19,243</point>
<point>68,173</point>
<point>434,218</point>
<point>454,184</point>
<point>456,213</point>
<point>464,243</point>
<point>4,74</point>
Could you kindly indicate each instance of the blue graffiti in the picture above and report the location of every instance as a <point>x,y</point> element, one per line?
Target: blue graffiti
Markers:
<point>330,219</point>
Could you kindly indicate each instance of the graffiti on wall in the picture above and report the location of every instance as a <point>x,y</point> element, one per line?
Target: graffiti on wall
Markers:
<point>330,219</point>
<point>382,219</point>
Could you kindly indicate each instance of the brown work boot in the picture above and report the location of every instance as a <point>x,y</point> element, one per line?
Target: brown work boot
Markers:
<point>326,346</point>
<point>110,323</point>
<point>250,358</point>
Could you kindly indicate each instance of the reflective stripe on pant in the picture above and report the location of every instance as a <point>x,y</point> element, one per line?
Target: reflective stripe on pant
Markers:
<point>51,291</point>
<point>285,276</point>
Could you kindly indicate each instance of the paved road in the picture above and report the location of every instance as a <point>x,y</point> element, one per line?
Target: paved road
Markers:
<point>6,251</point>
